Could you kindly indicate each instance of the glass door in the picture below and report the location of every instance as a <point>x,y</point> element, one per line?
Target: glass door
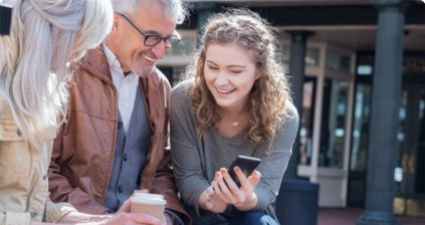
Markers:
<point>333,147</point>
<point>306,126</point>
<point>359,144</point>
<point>333,129</point>
<point>410,171</point>
<point>326,122</point>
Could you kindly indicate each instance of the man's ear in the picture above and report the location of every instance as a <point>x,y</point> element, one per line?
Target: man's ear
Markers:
<point>116,24</point>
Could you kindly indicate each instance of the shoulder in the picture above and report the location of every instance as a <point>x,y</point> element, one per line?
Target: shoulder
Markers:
<point>160,78</point>
<point>181,105</point>
<point>181,92</point>
<point>183,87</point>
<point>291,120</point>
<point>292,112</point>
<point>286,130</point>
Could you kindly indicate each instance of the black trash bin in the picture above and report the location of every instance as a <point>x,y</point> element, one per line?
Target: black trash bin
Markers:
<point>297,202</point>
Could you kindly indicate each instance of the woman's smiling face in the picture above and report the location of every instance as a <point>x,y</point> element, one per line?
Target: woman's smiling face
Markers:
<point>230,73</point>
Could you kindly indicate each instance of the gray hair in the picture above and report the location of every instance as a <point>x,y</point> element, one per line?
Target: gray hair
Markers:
<point>45,36</point>
<point>175,9</point>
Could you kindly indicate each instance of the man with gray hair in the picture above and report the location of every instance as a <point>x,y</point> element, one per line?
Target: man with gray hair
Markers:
<point>114,140</point>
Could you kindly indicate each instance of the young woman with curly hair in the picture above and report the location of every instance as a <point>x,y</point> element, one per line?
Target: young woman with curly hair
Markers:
<point>237,103</point>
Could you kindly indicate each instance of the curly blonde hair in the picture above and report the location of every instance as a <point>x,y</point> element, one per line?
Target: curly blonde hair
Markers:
<point>270,94</point>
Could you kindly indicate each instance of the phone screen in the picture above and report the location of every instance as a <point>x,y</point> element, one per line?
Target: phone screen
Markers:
<point>246,164</point>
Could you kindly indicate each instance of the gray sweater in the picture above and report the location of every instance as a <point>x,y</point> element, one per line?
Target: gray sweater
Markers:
<point>195,160</point>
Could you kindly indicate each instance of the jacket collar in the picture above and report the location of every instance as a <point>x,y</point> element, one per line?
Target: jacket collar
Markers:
<point>95,61</point>
<point>154,86</point>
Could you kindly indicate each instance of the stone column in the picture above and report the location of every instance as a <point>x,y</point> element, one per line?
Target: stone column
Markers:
<point>296,79</point>
<point>384,118</point>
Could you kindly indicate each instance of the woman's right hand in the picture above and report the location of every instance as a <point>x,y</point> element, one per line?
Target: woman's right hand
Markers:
<point>243,197</point>
<point>211,202</point>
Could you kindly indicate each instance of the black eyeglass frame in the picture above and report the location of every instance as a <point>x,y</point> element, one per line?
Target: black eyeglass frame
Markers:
<point>173,38</point>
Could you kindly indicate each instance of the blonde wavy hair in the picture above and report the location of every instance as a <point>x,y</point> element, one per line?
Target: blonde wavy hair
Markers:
<point>45,36</point>
<point>269,96</point>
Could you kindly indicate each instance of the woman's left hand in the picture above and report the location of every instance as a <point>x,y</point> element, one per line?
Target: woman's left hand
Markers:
<point>243,198</point>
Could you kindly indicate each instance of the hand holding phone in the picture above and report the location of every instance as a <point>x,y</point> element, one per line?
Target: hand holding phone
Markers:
<point>247,165</point>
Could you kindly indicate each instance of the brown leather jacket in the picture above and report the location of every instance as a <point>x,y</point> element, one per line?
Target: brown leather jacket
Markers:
<point>83,151</point>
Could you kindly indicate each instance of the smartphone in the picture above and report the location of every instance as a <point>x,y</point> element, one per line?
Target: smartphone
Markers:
<point>247,165</point>
<point>5,19</point>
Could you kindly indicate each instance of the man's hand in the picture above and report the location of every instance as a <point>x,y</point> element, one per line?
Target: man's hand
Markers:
<point>126,206</point>
<point>168,220</point>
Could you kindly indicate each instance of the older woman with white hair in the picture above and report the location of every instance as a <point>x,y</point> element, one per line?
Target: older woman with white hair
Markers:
<point>45,37</point>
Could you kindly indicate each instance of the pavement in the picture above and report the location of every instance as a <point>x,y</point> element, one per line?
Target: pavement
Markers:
<point>349,216</point>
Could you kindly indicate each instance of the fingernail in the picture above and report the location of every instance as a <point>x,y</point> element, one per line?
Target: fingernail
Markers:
<point>222,171</point>
<point>237,169</point>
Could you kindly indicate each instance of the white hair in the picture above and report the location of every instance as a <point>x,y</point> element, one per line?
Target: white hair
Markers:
<point>175,9</point>
<point>45,35</point>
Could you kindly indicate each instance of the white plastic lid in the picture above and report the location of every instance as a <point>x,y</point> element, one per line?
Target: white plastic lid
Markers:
<point>148,198</point>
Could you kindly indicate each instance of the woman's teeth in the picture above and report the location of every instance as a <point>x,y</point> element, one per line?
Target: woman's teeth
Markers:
<point>223,91</point>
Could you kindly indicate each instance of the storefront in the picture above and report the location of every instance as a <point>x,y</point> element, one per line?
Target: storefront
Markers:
<point>410,164</point>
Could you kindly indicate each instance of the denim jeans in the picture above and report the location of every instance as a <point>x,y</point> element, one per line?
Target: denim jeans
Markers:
<point>252,218</point>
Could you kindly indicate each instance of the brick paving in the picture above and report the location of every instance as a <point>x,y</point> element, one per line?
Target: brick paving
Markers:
<point>349,216</point>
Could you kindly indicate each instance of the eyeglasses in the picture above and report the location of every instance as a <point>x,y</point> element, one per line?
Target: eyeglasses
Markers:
<point>154,39</point>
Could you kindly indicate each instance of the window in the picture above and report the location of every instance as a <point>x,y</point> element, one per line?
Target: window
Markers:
<point>332,135</point>
<point>337,61</point>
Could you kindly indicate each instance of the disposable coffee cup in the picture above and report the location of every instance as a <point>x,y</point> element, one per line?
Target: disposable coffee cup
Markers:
<point>151,204</point>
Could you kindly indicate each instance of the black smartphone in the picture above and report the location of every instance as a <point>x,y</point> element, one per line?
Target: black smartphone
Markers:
<point>247,165</point>
<point>5,19</point>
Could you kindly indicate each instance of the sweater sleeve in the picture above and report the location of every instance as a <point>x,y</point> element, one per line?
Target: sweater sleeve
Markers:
<point>188,170</point>
<point>273,166</point>
<point>55,211</point>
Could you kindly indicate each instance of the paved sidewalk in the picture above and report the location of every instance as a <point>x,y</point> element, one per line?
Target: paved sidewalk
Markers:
<point>349,216</point>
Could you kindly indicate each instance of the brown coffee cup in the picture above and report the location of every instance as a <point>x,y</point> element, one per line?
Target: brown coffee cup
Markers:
<point>151,204</point>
